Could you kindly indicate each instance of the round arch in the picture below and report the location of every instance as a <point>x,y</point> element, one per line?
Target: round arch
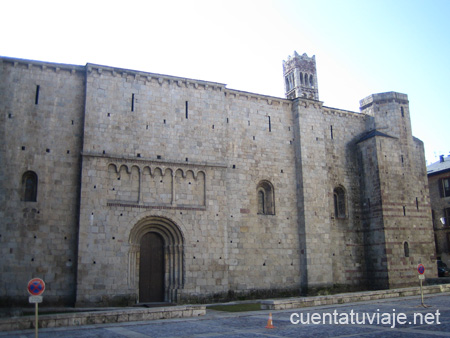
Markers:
<point>173,238</point>
<point>340,202</point>
<point>265,198</point>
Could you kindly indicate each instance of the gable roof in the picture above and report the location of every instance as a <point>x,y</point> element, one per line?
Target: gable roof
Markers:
<point>442,166</point>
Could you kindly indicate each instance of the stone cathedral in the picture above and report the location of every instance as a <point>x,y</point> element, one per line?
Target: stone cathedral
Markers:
<point>121,187</point>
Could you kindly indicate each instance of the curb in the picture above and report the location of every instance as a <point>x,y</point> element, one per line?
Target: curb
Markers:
<point>294,303</point>
<point>101,317</point>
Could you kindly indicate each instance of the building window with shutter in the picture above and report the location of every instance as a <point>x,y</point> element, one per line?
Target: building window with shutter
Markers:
<point>444,187</point>
<point>446,216</point>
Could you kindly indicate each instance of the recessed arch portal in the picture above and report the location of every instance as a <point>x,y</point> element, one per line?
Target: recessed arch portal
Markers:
<point>173,258</point>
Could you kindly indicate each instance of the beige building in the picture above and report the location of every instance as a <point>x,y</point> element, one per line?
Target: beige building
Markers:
<point>439,182</point>
<point>121,186</point>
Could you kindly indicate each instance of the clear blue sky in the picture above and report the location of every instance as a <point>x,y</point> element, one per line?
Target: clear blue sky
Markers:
<point>361,47</point>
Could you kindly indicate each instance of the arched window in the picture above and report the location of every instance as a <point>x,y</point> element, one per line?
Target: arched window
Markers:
<point>311,81</point>
<point>301,78</point>
<point>406,249</point>
<point>306,80</point>
<point>265,198</point>
<point>340,208</point>
<point>29,186</point>
<point>290,82</point>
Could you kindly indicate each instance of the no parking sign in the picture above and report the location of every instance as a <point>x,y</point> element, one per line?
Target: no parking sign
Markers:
<point>420,269</point>
<point>36,287</point>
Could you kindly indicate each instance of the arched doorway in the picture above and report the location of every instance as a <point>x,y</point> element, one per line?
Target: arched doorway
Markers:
<point>156,262</point>
<point>151,268</point>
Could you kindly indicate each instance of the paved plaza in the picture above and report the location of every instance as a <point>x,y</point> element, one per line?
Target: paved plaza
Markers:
<point>370,319</point>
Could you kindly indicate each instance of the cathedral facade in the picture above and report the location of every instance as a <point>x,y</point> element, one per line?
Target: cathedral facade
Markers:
<point>121,187</point>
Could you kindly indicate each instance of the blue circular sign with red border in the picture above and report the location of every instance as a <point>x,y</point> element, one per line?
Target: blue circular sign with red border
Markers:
<point>420,269</point>
<point>36,287</point>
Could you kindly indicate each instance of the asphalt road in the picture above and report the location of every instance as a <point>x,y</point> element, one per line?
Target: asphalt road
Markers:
<point>398,317</point>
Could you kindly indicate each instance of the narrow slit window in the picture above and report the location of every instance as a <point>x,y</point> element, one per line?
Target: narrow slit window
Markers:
<point>36,98</point>
<point>417,203</point>
<point>132,102</point>
<point>406,249</point>
<point>187,109</point>
<point>270,125</point>
<point>331,131</point>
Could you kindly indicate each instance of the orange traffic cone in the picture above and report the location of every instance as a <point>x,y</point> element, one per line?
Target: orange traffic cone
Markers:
<point>269,322</point>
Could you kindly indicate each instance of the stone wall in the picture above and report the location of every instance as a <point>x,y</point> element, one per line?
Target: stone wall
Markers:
<point>332,246</point>
<point>249,193</point>
<point>193,153</point>
<point>41,118</point>
<point>399,217</point>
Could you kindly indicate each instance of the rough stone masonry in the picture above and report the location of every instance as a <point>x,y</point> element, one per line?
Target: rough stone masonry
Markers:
<point>121,186</point>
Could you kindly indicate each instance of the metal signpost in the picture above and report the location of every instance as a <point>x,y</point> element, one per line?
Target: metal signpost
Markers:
<point>421,271</point>
<point>36,288</point>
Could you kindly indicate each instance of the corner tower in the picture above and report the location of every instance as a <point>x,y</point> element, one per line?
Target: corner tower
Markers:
<point>396,217</point>
<point>300,77</point>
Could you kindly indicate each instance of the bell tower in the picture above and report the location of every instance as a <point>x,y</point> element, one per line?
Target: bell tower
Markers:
<point>300,77</point>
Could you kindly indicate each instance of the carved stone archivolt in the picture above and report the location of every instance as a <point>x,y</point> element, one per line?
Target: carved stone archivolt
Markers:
<point>174,273</point>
